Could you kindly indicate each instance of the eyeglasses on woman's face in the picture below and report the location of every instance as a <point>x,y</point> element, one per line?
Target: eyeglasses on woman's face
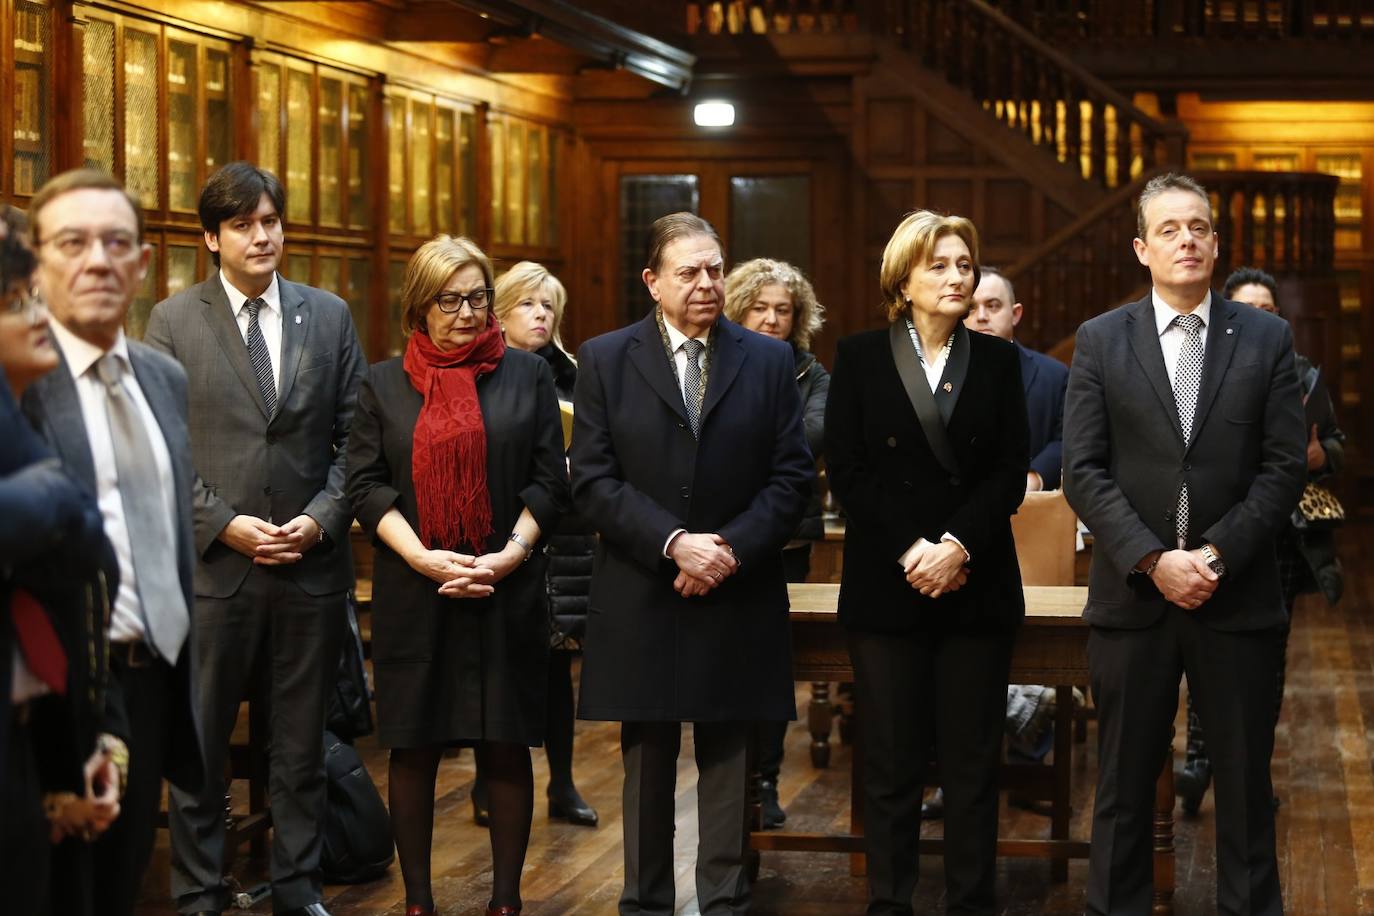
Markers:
<point>478,300</point>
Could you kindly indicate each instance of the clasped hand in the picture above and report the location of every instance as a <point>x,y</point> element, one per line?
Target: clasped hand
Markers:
<point>1184,578</point>
<point>268,544</point>
<point>92,814</point>
<point>703,561</point>
<point>934,569</point>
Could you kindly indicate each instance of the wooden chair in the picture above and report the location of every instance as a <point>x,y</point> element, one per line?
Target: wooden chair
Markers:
<point>1045,530</point>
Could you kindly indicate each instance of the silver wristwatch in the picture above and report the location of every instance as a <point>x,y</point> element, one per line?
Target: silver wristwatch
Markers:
<point>1213,561</point>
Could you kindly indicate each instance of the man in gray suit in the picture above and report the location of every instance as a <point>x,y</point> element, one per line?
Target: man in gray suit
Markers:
<point>1183,454</point>
<point>274,368</point>
<point>115,413</point>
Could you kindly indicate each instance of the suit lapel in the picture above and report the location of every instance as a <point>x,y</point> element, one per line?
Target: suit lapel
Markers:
<point>64,425</point>
<point>220,318</point>
<point>951,385</point>
<point>919,396</point>
<point>1145,344</point>
<point>1221,346</point>
<point>295,326</point>
<point>725,364</point>
<point>648,357</point>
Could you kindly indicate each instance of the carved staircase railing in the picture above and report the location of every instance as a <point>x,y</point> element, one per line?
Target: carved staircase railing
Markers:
<point>1281,222</point>
<point>1035,89</point>
<point>1121,21</point>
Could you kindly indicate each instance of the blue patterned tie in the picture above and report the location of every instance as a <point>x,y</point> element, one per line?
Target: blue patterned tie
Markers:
<point>260,357</point>
<point>691,384</point>
<point>1187,381</point>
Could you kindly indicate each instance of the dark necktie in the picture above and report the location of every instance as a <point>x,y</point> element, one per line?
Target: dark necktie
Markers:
<point>151,537</point>
<point>259,356</point>
<point>1187,380</point>
<point>691,384</point>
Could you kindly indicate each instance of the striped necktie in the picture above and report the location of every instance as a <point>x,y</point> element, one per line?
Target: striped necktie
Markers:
<point>260,358</point>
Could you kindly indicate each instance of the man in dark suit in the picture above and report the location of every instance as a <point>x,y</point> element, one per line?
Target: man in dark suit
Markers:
<point>114,411</point>
<point>275,368</point>
<point>997,313</point>
<point>1183,455</point>
<point>689,458</point>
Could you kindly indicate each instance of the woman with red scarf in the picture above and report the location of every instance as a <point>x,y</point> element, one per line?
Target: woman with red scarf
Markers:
<point>455,467</point>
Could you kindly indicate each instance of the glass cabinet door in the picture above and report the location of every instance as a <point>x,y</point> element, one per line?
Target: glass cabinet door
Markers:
<point>32,91</point>
<point>298,267</point>
<point>357,156</point>
<point>496,139</point>
<point>299,190</point>
<point>515,183</point>
<point>359,279</point>
<point>218,114</point>
<point>422,176</point>
<point>444,161</point>
<point>535,191</point>
<point>182,84</point>
<point>331,151</point>
<point>98,95</point>
<point>395,108</point>
<point>142,172</point>
<point>331,274</point>
<point>467,173</point>
<point>181,268</point>
<point>268,78</point>
<point>136,321</point>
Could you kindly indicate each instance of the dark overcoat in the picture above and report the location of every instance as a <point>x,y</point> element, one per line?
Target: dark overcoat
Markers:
<point>460,669</point>
<point>638,474</point>
<point>894,489</point>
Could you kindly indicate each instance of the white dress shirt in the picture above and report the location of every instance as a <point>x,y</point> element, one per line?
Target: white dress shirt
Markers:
<point>1171,336</point>
<point>675,340</point>
<point>269,319</point>
<point>126,616</point>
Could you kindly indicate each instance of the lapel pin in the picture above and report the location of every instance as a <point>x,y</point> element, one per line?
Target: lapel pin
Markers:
<point>298,321</point>
<point>1230,331</point>
<point>948,387</point>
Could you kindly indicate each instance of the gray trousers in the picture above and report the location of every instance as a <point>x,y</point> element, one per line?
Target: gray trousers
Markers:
<point>271,640</point>
<point>650,751</point>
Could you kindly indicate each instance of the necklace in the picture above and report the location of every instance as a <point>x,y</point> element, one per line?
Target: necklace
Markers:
<point>916,342</point>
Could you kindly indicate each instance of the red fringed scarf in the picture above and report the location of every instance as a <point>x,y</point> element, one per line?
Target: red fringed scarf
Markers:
<point>449,462</point>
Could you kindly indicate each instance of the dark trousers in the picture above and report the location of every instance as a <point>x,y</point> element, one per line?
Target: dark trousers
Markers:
<point>121,854</point>
<point>915,690</point>
<point>1135,676</point>
<point>25,853</point>
<point>270,640</point>
<point>650,751</point>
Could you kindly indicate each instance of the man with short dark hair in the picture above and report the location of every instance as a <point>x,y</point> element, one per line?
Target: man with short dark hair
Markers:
<point>274,369</point>
<point>1183,455</point>
<point>115,413</point>
<point>690,459</point>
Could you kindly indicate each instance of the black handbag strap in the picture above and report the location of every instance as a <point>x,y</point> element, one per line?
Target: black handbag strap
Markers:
<point>918,393</point>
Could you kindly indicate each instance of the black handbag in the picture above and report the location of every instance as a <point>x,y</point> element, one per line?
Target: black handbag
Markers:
<point>357,829</point>
<point>350,707</point>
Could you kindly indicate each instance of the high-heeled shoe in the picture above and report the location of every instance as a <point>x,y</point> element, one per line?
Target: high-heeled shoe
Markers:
<point>569,805</point>
<point>415,909</point>
<point>494,910</point>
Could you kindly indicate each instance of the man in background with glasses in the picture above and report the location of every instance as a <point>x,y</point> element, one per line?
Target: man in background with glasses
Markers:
<point>115,413</point>
<point>274,368</point>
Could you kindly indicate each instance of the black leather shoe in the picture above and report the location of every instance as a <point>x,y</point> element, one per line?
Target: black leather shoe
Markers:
<point>771,813</point>
<point>568,804</point>
<point>314,909</point>
<point>933,808</point>
<point>1190,784</point>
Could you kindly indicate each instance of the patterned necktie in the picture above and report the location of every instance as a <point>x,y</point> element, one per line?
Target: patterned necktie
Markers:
<point>151,538</point>
<point>260,357</point>
<point>691,384</point>
<point>1187,380</point>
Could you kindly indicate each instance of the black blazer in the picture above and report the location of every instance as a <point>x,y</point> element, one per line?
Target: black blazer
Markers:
<point>1045,379</point>
<point>637,475</point>
<point>894,490</point>
<point>1125,460</point>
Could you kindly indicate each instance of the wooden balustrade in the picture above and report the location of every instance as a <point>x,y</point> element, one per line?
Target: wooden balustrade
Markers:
<point>1084,21</point>
<point>1033,88</point>
<point>773,17</point>
<point>1281,222</point>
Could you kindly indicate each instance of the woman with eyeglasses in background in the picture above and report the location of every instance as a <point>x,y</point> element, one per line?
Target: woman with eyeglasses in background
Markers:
<point>455,468</point>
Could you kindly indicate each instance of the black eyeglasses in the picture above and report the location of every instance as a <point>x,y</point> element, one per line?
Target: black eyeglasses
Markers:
<point>477,300</point>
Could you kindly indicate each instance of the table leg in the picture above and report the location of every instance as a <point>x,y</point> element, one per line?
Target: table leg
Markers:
<point>1164,837</point>
<point>1060,803</point>
<point>819,717</point>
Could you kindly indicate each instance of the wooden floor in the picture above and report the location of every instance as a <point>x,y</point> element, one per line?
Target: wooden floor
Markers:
<point>1322,773</point>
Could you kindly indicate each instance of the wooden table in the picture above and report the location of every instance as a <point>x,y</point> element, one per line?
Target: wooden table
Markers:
<point>1051,648</point>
